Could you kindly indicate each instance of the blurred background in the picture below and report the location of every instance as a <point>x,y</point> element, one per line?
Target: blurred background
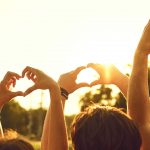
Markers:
<point>58,36</point>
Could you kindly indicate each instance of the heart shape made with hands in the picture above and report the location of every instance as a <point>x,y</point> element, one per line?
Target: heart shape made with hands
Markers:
<point>87,75</point>
<point>22,84</point>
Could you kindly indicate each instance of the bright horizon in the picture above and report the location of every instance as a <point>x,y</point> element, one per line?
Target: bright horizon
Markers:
<point>58,36</point>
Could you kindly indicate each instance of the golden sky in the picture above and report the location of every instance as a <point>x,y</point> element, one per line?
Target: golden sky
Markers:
<point>57,36</point>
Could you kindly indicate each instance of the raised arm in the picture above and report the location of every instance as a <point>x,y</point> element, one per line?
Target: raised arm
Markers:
<point>138,94</point>
<point>67,81</point>
<point>109,74</point>
<point>54,136</point>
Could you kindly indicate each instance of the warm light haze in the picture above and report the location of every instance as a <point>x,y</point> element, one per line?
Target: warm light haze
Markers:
<point>58,36</point>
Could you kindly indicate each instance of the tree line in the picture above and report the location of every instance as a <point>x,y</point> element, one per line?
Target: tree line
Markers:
<point>30,122</point>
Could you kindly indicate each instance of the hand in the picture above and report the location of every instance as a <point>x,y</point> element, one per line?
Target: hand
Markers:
<point>108,74</point>
<point>144,44</point>
<point>40,79</point>
<point>5,93</point>
<point>68,80</point>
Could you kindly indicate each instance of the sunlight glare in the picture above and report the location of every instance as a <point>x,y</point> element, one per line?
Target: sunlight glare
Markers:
<point>88,75</point>
<point>22,85</point>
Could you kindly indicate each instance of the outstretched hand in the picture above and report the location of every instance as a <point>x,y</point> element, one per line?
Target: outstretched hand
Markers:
<point>68,80</point>
<point>8,81</point>
<point>40,79</point>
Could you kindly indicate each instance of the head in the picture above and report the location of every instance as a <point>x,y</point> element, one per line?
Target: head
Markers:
<point>11,142</point>
<point>15,144</point>
<point>104,128</point>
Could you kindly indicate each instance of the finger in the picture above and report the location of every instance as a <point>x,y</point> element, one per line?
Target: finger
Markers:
<point>28,75</point>
<point>8,85</point>
<point>77,70</point>
<point>10,75</point>
<point>83,84</point>
<point>13,81</point>
<point>18,93</point>
<point>29,90</point>
<point>28,69</point>
<point>33,77</point>
<point>13,74</point>
<point>97,67</point>
<point>94,66</point>
<point>96,82</point>
<point>91,65</point>
<point>24,71</point>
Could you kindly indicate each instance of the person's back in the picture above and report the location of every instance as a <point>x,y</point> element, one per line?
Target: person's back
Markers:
<point>104,128</point>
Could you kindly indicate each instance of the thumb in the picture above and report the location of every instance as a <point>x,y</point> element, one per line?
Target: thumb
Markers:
<point>96,82</point>
<point>83,84</point>
<point>18,93</point>
<point>29,90</point>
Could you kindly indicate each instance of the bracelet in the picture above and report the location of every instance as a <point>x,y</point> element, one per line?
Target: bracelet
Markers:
<point>64,93</point>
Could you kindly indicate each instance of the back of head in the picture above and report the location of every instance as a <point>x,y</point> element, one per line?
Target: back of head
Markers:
<point>104,128</point>
<point>15,144</point>
<point>13,141</point>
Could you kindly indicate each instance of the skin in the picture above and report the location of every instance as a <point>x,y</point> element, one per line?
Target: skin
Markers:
<point>54,131</point>
<point>138,93</point>
<point>68,82</point>
<point>5,94</point>
<point>110,75</point>
<point>54,134</point>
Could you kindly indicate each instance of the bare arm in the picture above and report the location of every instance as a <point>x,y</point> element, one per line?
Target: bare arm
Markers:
<point>68,82</point>
<point>54,135</point>
<point>138,94</point>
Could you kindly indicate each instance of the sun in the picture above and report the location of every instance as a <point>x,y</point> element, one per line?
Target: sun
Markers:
<point>87,75</point>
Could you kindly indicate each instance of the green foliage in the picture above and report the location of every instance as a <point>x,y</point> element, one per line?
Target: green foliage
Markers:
<point>36,117</point>
<point>25,122</point>
<point>103,96</point>
<point>14,117</point>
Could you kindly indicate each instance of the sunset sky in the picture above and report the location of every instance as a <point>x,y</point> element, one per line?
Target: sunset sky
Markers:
<point>57,36</point>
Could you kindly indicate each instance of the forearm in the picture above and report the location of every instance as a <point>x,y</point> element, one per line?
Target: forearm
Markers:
<point>122,83</point>
<point>54,126</point>
<point>138,89</point>
<point>58,140</point>
<point>45,133</point>
<point>63,101</point>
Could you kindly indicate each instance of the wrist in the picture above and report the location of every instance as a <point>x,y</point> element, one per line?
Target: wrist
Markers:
<point>121,79</point>
<point>64,93</point>
<point>142,51</point>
